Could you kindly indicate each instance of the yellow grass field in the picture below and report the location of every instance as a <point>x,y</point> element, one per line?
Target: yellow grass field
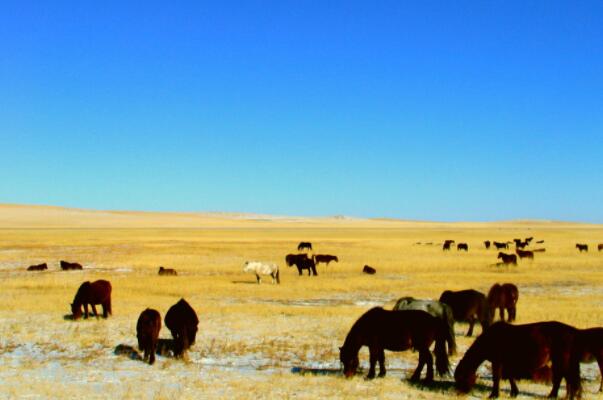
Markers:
<point>253,338</point>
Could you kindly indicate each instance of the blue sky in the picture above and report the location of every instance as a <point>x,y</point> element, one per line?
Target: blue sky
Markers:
<point>419,110</point>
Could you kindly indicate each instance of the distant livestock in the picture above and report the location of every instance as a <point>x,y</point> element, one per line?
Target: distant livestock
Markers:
<point>582,247</point>
<point>487,244</point>
<point>260,268</point>
<point>380,330</point>
<point>304,246</point>
<point>92,293</point>
<point>39,267</point>
<point>468,306</point>
<point>147,332</point>
<point>540,241</point>
<point>182,321</point>
<point>369,270</point>
<point>301,261</point>
<point>325,258</point>
<point>507,258</point>
<point>447,244</point>
<point>538,250</point>
<point>522,352</point>
<point>501,245</point>
<point>600,246</point>
<point>435,308</point>
<point>462,246</point>
<point>503,297</point>
<point>525,254</point>
<point>68,266</point>
<point>167,271</point>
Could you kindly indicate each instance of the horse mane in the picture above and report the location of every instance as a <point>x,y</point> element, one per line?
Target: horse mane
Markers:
<point>84,287</point>
<point>352,342</point>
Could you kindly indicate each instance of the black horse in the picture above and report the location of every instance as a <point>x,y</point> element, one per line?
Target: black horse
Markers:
<point>487,244</point>
<point>468,306</point>
<point>582,247</point>
<point>304,246</point>
<point>462,246</point>
<point>301,261</point>
<point>381,330</point>
<point>182,321</point>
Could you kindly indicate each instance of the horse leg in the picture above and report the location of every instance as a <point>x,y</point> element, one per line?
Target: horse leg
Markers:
<point>429,359</point>
<point>94,310</point>
<point>381,363</point>
<point>514,388</point>
<point>258,278</point>
<point>417,374</point>
<point>314,270</point>
<point>85,310</point>
<point>373,355</point>
<point>105,312</point>
<point>152,349</point>
<point>471,323</point>
<point>299,270</point>
<point>496,374</point>
<point>501,312</point>
<point>557,376</point>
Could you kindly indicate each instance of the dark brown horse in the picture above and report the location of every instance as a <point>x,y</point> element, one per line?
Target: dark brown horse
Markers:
<point>462,246</point>
<point>503,297</point>
<point>507,258</point>
<point>65,266</point>
<point>380,330</point>
<point>525,254</point>
<point>301,261</point>
<point>487,244</point>
<point>92,293</point>
<point>167,271</point>
<point>147,332</point>
<point>325,258</point>
<point>369,270</point>
<point>304,246</point>
<point>519,352</point>
<point>589,343</point>
<point>600,246</point>
<point>39,267</point>
<point>501,245</point>
<point>468,306</point>
<point>447,244</point>
<point>182,321</point>
<point>582,247</point>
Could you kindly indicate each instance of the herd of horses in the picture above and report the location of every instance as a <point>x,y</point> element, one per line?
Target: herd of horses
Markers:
<point>548,350</point>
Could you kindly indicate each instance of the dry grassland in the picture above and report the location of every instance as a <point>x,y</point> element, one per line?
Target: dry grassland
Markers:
<point>252,336</point>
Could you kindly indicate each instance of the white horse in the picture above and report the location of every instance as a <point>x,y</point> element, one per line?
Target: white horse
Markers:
<point>258,268</point>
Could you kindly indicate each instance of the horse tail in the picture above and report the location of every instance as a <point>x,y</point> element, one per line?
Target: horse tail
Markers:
<point>441,356</point>
<point>449,319</point>
<point>278,279</point>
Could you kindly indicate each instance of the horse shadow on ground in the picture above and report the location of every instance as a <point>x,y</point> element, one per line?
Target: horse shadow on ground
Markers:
<point>448,387</point>
<point>245,282</point>
<point>165,348</point>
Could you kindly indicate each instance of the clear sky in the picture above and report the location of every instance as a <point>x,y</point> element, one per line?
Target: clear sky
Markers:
<point>476,110</point>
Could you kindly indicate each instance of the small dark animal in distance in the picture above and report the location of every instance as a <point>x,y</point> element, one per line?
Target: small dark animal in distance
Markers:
<point>167,271</point>
<point>304,246</point>
<point>39,267</point>
<point>507,258</point>
<point>68,265</point>
<point>462,246</point>
<point>369,270</point>
<point>582,247</point>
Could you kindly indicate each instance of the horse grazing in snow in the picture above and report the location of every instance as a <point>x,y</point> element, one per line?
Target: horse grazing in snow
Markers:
<point>260,268</point>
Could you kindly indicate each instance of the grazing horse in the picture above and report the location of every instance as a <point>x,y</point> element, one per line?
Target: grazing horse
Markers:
<point>468,306</point>
<point>67,265</point>
<point>258,268</point>
<point>582,247</point>
<point>39,267</point>
<point>487,244</point>
<point>435,308</point>
<point>501,245</point>
<point>503,297</point>
<point>167,271</point>
<point>462,246</point>
<point>147,332</point>
<point>369,270</point>
<point>589,343</point>
<point>304,245</point>
<point>301,261</point>
<point>93,293</point>
<point>525,254</point>
<point>520,352</point>
<point>182,321</point>
<point>507,258</point>
<point>381,330</point>
<point>600,246</point>
<point>325,258</point>
<point>447,244</point>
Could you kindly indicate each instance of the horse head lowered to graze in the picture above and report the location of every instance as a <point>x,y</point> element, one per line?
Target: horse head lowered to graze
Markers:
<point>520,352</point>
<point>301,261</point>
<point>304,246</point>
<point>503,297</point>
<point>380,330</point>
<point>65,266</point>
<point>435,308</point>
<point>462,246</point>
<point>468,306</point>
<point>582,247</point>
<point>147,333</point>
<point>324,258</point>
<point>167,271</point>
<point>182,321</point>
<point>92,293</point>
<point>39,267</point>
<point>507,258</point>
<point>261,268</point>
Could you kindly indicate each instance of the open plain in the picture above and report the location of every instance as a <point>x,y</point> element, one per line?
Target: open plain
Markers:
<point>260,341</point>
